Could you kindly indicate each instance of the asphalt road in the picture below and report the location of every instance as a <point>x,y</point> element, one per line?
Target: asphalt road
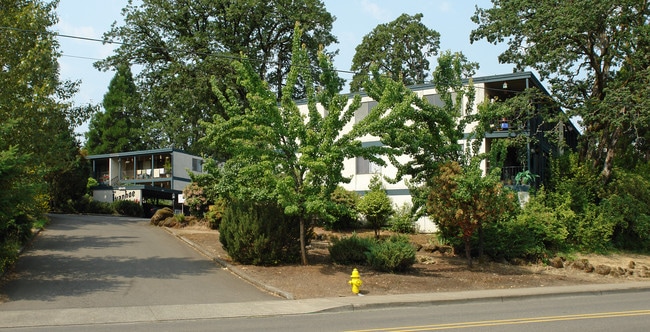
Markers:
<point>605,312</point>
<point>105,261</point>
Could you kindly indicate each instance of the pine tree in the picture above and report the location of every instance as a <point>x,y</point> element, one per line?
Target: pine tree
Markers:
<point>119,127</point>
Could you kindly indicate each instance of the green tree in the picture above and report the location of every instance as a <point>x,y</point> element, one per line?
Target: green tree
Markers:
<point>181,44</point>
<point>461,200</point>
<point>375,205</point>
<point>595,56</point>
<point>36,117</point>
<point>399,49</point>
<point>119,127</point>
<point>280,154</point>
<point>427,133</point>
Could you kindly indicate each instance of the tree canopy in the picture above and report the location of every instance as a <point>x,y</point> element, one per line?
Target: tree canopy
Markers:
<point>119,127</point>
<point>429,133</point>
<point>37,141</point>
<point>399,49</point>
<point>595,56</point>
<point>279,153</point>
<point>180,45</point>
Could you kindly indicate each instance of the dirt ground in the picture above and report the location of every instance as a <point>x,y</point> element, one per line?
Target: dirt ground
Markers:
<point>434,271</point>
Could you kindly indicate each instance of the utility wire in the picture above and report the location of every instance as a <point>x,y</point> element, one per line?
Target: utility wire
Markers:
<point>104,41</point>
<point>223,56</point>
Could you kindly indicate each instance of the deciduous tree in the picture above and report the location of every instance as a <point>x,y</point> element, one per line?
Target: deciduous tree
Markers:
<point>36,117</point>
<point>180,45</point>
<point>595,56</point>
<point>279,153</point>
<point>400,50</point>
<point>428,134</point>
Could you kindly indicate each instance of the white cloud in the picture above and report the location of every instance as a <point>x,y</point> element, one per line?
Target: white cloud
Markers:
<point>374,10</point>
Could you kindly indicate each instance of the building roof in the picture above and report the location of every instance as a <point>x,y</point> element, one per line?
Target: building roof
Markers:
<point>136,153</point>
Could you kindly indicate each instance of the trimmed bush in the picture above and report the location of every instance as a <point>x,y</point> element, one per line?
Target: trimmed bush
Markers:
<point>128,208</point>
<point>260,234</point>
<point>161,215</point>
<point>350,250</point>
<point>396,254</point>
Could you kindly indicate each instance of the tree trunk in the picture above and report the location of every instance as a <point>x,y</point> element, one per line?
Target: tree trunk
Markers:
<point>468,252</point>
<point>481,245</point>
<point>608,163</point>
<point>303,245</point>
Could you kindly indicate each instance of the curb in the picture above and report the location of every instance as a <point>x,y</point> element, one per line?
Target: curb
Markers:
<point>483,296</point>
<point>233,269</point>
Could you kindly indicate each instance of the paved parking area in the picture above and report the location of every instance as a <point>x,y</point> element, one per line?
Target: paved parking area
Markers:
<point>106,261</point>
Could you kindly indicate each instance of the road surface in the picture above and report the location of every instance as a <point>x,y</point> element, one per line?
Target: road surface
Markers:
<point>106,261</point>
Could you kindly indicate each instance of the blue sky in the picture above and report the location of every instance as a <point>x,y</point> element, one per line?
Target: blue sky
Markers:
<point>354,19</point>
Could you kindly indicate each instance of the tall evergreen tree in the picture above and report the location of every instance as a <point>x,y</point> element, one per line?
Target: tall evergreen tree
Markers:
<point>119,127</point>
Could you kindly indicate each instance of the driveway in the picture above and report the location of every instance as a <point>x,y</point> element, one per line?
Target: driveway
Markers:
<point>105,261</point>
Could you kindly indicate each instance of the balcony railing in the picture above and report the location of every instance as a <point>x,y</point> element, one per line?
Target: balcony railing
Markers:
<point>509,173</point>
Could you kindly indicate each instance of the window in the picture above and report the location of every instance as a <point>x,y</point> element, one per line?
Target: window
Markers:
<point>365,166</point>
<point>197,165</point>
<point>437,101</point>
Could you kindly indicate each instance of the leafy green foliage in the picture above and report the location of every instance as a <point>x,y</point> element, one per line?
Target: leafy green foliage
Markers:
<point>375,205</point>
<point>462,200</point>
<point>182,45</point>
<point>342,210</point>
<point>215,213</point>
<point>278,153</point>
<point>395,254</point>
<point>351,250</point>
<point>128,208</point>
<point>402,220</point>
<point>628,207</point>
<point>399,49</point>
<point>259,234</point>
<point>595,56</point>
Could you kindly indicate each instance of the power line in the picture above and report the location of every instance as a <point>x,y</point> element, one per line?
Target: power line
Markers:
<point>108,41</point>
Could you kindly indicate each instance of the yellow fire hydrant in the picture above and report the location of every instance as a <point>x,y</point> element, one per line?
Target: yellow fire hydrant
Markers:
<point>355,281</point>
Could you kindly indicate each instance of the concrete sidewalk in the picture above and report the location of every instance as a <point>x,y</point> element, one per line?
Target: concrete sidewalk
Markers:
<point>112,315</point>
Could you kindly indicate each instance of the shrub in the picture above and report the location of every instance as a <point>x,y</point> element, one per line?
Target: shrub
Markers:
<point>161,215</point>
<point>342,210</point>
<point>260,234</point>
<point>196,199</point>
<point>350,250</point>
<point>8,253</point>
<point>375,205</point>
<point>215,213</point>
<point>396,254</point>
<point>628,205</point>
<point>402,220</point>
<point>512,238</point>
<point>128,208</point>
<point>100,207</point>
